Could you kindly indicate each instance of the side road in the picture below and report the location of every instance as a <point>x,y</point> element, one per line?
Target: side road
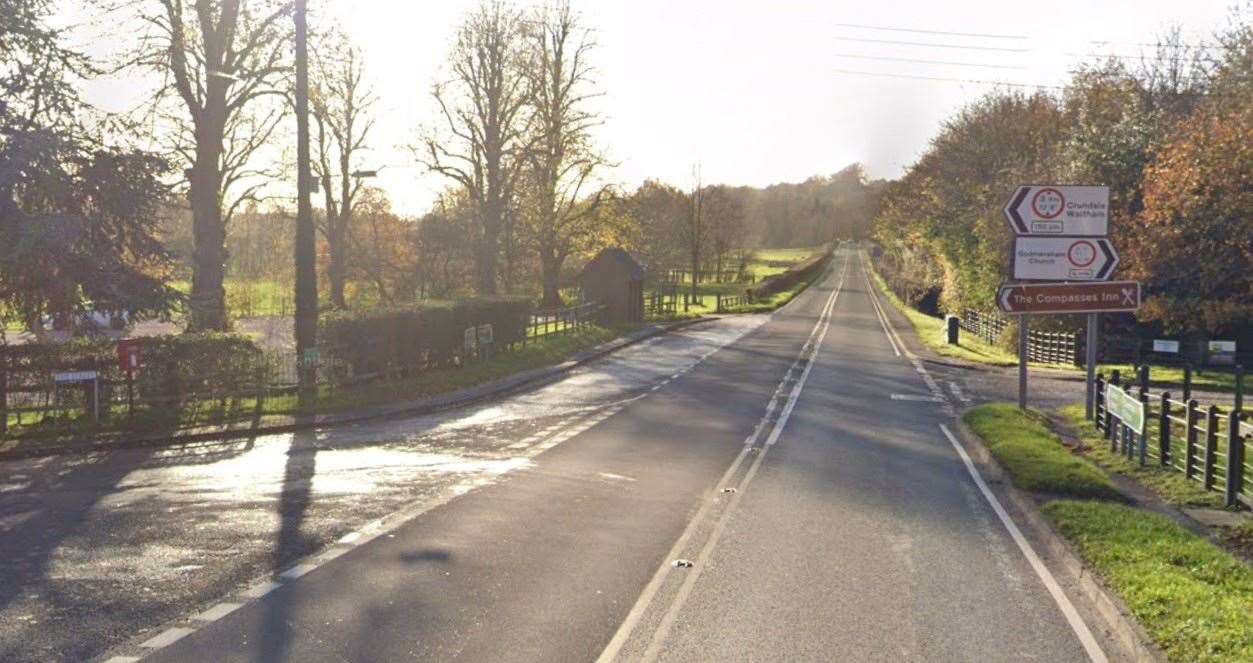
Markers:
<point>274,424</point>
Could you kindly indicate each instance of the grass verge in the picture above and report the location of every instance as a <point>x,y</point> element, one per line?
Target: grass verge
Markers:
<point>931,332</point>
<point>1191,597</point>
<point>1034,456</point>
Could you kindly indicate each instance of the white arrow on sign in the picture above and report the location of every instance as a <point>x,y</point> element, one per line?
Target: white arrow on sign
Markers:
<point>1078,211</point>
<point>1063,259</point>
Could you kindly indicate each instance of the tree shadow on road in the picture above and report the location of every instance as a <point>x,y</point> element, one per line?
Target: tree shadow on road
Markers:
<point>294,501</point>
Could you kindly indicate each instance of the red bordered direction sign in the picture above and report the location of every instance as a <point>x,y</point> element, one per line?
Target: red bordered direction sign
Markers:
<point>1056,209</point>
<point>1097,297</point>
<point>1063,259</point>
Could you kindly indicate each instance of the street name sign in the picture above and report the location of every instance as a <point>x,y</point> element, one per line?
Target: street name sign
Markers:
<point>1096,297</point>
<point>1127,408</point>
<point>1078,211</point>
<point>1063,259</point>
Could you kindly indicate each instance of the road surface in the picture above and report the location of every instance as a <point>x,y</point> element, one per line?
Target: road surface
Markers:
<point>794,464</point>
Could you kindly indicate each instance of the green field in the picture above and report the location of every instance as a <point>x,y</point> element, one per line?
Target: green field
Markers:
<point>762,264</point>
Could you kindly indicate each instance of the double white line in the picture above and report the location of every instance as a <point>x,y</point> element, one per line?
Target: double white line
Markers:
<point>788,391</point>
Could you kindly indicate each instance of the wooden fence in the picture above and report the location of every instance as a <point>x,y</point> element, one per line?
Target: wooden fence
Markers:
<point>557,321</point>
<point>1204,443</point>
<point>726,303</point>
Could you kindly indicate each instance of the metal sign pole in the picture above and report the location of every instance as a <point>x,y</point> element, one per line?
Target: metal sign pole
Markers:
<point>1090,363</point>
<point>1022,362</point>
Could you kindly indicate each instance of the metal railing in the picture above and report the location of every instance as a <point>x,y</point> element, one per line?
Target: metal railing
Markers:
<point>1204,443</point>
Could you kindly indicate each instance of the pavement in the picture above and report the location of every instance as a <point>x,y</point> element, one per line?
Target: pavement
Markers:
<point>782,487</point>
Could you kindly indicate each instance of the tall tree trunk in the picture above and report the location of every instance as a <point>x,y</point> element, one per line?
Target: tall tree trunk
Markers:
<point>550,266</point>
<point>336,268</point>
<point>208,291</point>
<point>489,245</point>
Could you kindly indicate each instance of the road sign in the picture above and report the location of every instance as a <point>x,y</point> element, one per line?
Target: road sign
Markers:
<point>1127,408</point>
<point>1165,346</point>
<point>1063,259</point>
<point>1098,297</point>
<point>1079,211</point>
<point>70,377</point>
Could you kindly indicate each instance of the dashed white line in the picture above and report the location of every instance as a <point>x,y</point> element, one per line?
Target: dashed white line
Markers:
<point>297,571</point>
<point>167,637</point>
<point>217,612</point>
<point>261,589</point>
<point>917,397</point>
<point>1050,583</point>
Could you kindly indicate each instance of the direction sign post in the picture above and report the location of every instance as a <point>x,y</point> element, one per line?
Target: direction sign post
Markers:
<point>1063,259</point>
<point>1075,211</point>
<point>1098,297</point>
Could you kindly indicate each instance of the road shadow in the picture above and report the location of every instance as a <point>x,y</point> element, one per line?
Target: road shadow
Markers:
<point>291,543</point>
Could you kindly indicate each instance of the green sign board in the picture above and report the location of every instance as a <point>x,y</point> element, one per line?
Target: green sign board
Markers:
<point>1126,407</point>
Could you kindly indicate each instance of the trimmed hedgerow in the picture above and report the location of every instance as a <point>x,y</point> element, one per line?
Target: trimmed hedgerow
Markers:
<point>405,340</point>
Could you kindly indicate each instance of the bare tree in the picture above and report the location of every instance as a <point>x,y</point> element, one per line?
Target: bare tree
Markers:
<point>694,229</point>
<point>562,162</point>
<point>340,105</point>
<point>219,60</point>
<point>724,209</point>
<point>481,140</point>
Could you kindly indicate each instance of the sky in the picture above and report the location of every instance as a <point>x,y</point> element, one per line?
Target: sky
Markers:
<point>756,92</point>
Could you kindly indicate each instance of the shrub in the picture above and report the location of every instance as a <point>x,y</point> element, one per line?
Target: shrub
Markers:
<point>796,274</point>
<point>409,339</point>
<point>173,368</point>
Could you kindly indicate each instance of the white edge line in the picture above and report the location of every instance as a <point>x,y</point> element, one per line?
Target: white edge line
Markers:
<point>1050,583</point>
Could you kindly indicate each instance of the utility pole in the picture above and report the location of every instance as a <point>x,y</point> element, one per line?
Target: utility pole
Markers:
<point>306,248</point>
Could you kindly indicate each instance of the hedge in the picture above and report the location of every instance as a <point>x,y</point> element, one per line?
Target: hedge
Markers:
<point>173,368</point>
<point>408,339</point>
<point>798,273</point>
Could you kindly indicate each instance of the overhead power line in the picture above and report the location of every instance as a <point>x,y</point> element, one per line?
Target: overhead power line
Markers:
<point>923,43</point>
<point>947,80</point>
<point>918,61</point>
<point>929,32</point>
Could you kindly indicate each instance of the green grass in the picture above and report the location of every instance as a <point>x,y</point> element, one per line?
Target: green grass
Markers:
<point>1171,378</point>
<point>1193,599</point>
<point>546,351</point>
<point>931,332</point>
<point>1168,483</point>
<point>759,265</point>
<point>1034,456</point>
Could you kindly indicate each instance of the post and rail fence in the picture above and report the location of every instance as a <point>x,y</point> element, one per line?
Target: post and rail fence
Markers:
<point>1206,443</point>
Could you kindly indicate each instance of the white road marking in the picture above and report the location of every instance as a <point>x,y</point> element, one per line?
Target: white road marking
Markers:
<point>689,581</point>
<point>1050,583</point>
<point>874,304</point>
<point>917,397</point>
<point>167,637</point>
<point>297,571</point>
<point>645,599</point>
<point>123,659</point>
<point>958,393</point>
<point>217,612</point>
<point>261,589</point>
<point>350,537</point>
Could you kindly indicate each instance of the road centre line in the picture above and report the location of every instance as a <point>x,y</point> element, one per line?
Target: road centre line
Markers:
<point>633,618</point>
<point>689,581</point>
<point>1050,583</point>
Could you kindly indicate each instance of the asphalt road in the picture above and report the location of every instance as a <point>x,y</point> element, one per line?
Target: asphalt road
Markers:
<point>795,466</point>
